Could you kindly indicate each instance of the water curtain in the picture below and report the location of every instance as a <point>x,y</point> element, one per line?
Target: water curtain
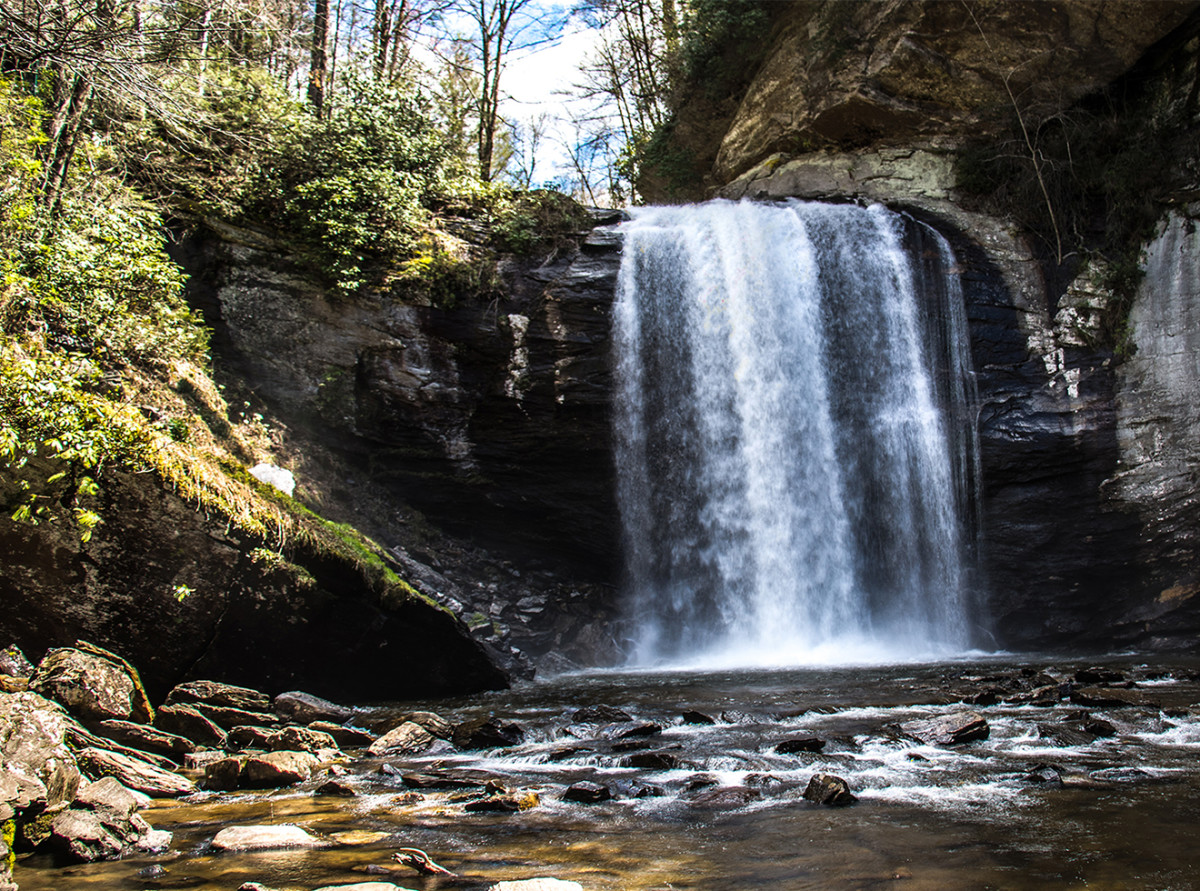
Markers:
<point>795,435</point>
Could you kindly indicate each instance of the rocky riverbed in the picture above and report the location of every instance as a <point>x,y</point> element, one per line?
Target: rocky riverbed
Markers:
<point>994,772</point>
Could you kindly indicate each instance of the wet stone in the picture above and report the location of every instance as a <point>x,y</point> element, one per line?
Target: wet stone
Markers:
<point>336,787</point>
<point>636,730</point>
<point>651,760</point>
<point>601,714</point>
<point>406,739</point>
<point>488,733</point>
<point>948,730</point>
<point>1098,727</point>
<point>586,792</point>
<point>258,838</point>
<point>695,717</point>
<point>1044,774</point>
<point>507,803</point>
<point>830,790</point>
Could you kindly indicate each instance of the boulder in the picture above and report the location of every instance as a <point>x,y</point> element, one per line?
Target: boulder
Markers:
<point>102,824</point>
<point>586,792</point>
<point>432,722</point>
<point>14,664</point>
<point>407,739</point>
<point>487,733</point>
<point>695,717</point>
<point>245,737</point>
<point>37,767</point>
<point>1112,697</point>
<point>224,775</point>
<point>827,789</point>
<point>363,886</point>
<point>134,773</point>
<point>79,737</point>
<point>953,729</point>
<point>276,769</point>
<point>438,781</point>
<point>304,708</point>
<point>185,720</point>
<point>219,694</point>
<point>259,838</point>
<point>1099,727</point>
<point>337,787</point>
<point>147,738</point>
<point>344,736</point>
<point>300,739</point>
<point>795,745</point>
<point>91,686</point>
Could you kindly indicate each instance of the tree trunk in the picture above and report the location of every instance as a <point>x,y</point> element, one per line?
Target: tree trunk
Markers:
<point>316,71</point>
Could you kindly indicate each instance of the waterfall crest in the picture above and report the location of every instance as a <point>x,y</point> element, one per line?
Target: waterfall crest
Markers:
<point>795,435</point>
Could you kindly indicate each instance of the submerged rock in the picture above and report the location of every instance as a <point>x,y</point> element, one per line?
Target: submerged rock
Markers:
<point>726,797</point>
<point>601,714</point>
<point>827,789</point>
<point>948,730</point>
<point>537,885</point>
<point>258,838</point>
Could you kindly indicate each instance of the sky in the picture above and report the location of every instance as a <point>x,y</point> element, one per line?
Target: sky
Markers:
<point>542,68</point>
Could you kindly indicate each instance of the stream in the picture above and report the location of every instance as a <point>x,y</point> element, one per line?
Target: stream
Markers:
<point>1038,803</point>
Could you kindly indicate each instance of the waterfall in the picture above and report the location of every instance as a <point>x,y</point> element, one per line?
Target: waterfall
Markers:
<point>795,435</point>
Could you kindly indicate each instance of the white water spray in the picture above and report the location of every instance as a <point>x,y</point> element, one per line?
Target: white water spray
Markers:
<point>795,440</point>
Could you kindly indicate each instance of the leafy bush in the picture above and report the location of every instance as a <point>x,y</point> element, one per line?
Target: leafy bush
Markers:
<point>354,185</point>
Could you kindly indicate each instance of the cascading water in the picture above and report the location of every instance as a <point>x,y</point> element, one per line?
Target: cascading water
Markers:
<point>795,435</point>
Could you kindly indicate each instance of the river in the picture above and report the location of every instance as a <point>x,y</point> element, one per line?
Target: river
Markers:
<point>1039,803</point>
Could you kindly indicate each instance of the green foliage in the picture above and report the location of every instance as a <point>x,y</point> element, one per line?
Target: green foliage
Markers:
<point>526,222</point>
<point>354,184</point>
<point>722,43</point>
<point>206,160</point>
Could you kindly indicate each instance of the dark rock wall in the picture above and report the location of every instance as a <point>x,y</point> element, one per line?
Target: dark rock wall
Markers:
<point>491,416</point>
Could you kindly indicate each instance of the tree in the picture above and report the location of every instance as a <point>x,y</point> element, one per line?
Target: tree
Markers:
<point>498,27</point>
<point>317,66</point>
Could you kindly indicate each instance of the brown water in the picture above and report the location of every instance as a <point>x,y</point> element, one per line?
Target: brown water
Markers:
<point>928,818</point>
